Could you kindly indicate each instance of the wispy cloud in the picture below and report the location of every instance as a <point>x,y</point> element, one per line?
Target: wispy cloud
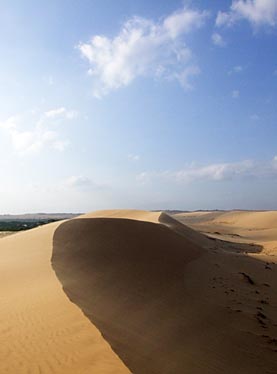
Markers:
<point>236,70</point>
<point>31,135</point>
<point>61,113</point>
<point>82,183</point>
<point>215,172</point>
<point>133,157</point>
<point>235,94</point>
<point>78,181</point>
<point>257,12</point>
<point>144,48</point>
<point>218,40</point>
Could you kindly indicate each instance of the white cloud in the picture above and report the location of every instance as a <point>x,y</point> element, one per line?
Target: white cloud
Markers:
<point>236,70</point>
<point>82,183</point>
<point>257,12</point>
<point>39,133</point>
<point>133,157</point>
<point>183,21</point>
<point>235,94</point>
<point>184,76</point>
<point>218,40</point>
<point>143,48</point>
<point>215,172</point>
<point>78,181</point>
<point>61,145</point>
<point>61,113</point>
<point>10,123</point>
<point>31,141</point>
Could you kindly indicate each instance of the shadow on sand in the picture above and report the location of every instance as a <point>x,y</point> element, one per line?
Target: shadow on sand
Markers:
<point>128,279</point>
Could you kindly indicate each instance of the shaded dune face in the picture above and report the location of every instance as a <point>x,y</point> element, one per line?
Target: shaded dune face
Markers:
<point>195,237</point>
<point>128,278</point>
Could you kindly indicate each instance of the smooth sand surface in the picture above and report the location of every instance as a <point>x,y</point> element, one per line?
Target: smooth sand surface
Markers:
<point>258,227</point>
<point>136,292</point>
<point>128,280</point>
<point>41,331</point>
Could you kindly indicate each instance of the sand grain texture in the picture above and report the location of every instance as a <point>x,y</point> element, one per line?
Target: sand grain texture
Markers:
<point>40,330</point>
<point>136,292</point>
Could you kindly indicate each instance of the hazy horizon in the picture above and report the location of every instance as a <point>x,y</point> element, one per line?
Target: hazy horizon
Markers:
<point>138,104</point>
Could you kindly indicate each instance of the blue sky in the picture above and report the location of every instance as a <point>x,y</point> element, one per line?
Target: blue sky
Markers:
<point>138,104</point>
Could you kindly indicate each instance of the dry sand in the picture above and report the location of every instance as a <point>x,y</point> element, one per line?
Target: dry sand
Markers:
<point>41,331</point>
<point>258,227</point>
<point>138,292</point>
<point>5,233</point>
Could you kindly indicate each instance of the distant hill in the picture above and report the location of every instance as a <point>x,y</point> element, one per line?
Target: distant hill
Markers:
<point>37,216</point>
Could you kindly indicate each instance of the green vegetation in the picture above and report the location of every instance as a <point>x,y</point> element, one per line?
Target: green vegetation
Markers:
<point>20,225</point>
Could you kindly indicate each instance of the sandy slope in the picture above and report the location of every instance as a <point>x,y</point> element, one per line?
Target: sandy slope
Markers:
<point>148,296</point>
<point>240,226</point>
<point>128,277</point>
<point>40,330</point>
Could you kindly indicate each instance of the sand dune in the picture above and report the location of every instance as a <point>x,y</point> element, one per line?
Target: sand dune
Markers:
<point>40,330</point>
<point>134,292</point>
<point>127,276</point>
<point>138,215</point>
<point>239,226</point>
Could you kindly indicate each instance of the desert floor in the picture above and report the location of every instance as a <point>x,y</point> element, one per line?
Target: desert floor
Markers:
<point>141,292</point>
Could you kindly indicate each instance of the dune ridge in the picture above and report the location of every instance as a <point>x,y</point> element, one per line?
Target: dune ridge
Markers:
<point>154,217</point>
<point>166,298</point>
<point>258,227</point>
<point>128,279</point>
<point>134,292</point>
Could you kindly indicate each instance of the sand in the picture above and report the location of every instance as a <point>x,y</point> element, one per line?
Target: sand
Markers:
<point>41,331</point>
<point>238,226</point>
<point>138,292</point>
<point>5,233</point>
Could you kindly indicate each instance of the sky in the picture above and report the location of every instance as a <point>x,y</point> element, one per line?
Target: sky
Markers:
<point>138,104</point>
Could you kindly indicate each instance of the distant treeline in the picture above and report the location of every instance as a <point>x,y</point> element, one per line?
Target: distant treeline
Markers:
<point>19,225</point>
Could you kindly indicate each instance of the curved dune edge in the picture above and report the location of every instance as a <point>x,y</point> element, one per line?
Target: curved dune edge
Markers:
<point>41,331</point>
<point>154,217</point>
<point>127,276</point>
<point>204,319</point>
<point>167,299</point>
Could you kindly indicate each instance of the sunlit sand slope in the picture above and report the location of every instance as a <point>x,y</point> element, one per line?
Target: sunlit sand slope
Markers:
<point>240,226</point>
<point>134,292</point>
<point>41,331</point>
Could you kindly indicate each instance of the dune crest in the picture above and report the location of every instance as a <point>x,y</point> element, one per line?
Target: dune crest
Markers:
<point>128,278</point>
<point>166,298</point>
<point>136,292</point>
<point>259,227</point>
